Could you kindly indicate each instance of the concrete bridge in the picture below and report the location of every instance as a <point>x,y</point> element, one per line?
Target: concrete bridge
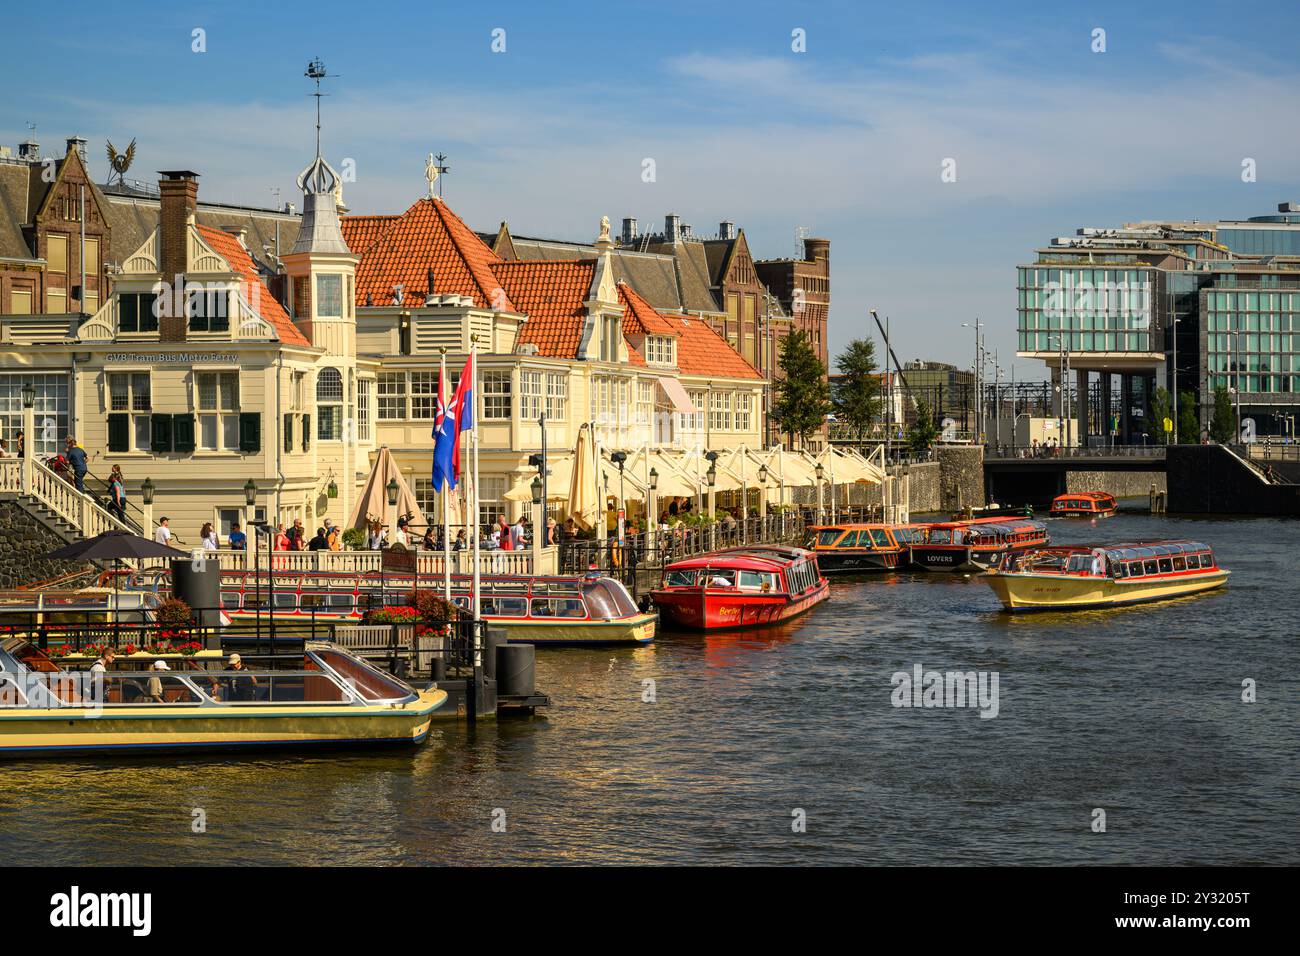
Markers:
<point>1016,476</point>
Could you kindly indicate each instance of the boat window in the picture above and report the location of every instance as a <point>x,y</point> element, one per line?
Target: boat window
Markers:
<point>230,599</point>
<point>1207,559</point>
<point>681,579</point>
<point>364,680</point>
<point>570,607</point>
<point>828,536</point>
<point>608,600</point>
<point>1149,567</point>
<point>286,600</point>
<point>312,600</point>
<point>254,600</point>
<point>1117,569</point>
<point>340,600</point>
<point>1165,566</point>
<point>1135,569</point>
<point>11,694</point>
<point>1180,564</point>
<point>940,536</point>
<point>512,606</point>
<point>721,578</point>
<point>1080,564</point>
<point>461,601</point>
<point>752,580</point>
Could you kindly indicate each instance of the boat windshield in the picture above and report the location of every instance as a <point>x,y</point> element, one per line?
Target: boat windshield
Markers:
<point>607,600</point>
<point>828,536</point>
<point>940,536</point>
<point>368,682</point>
<point>682,579</point>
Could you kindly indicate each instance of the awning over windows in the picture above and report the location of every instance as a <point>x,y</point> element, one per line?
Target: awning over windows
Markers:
<point>676,395</point>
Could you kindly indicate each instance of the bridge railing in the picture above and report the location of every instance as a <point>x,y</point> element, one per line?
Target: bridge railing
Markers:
<point>1002,452</point>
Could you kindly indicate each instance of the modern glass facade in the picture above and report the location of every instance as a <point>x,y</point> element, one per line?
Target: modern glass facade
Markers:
<point>1252,339</point>
<point>1098,309</point>
<point>1261,242</point>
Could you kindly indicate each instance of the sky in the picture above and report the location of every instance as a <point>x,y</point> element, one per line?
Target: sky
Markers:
<point>548,124</point>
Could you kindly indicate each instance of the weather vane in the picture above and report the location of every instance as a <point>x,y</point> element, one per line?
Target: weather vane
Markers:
<point>120,162</point>
<point>316,71</point>
<point>442,169</point>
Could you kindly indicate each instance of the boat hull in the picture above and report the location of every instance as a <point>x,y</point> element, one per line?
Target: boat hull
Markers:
<point>557,632</point>
<point>181,728</point>
<point>718,609</point>
<point>1063,592</point>
<point>850,561</point>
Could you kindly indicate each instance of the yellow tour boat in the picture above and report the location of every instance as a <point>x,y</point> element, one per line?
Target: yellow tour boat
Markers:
<point>1074,577</point>
<point>202,701</point>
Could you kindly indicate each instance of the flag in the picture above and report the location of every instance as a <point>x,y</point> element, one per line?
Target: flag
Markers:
<point>453,417</point>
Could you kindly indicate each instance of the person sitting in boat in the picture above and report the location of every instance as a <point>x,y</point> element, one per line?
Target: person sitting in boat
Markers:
<point>721,580</point>
<point>98,670</point>
<point>240,685</point>
<point>154,686</point>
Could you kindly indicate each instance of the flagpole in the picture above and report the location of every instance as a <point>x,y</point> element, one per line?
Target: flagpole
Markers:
<point>445,490</point>
<point>472,518</point>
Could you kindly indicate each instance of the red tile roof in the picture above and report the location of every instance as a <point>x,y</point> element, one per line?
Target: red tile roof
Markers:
<point>427,236</point>
<point>360,231</point>
<point>700,350</point>
<point>551,295</point>
<point>256,292</point>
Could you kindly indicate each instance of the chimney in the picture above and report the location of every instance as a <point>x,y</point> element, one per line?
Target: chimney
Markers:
<point>629,231</point>
<point>79,144</point>
<point>816,250</point>
<point>686,231</point>
<point>30,150</point>
<point>726,229</point>
<point>672,227</point>
<point>179,190</point>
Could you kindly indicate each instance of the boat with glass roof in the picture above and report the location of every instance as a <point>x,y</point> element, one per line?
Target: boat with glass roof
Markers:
<point>741,587</point>
<point>975,545</point>
<point>1084,504</point>
<point>1072,577</point>
<point>855,548</point>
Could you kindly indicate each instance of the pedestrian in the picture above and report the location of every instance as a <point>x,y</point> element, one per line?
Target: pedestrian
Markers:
<point>282,542</point>
<point>116,494</point>
<point>237,539</point>
<point>22,440</point>
<point>518,534</point>
<point>164,533</point>
<point>552,531</point>
<point>502,534</point>
<point>4,448</point>
<point>429,543</point>
<point>375,536</point>
<point>208,537</point>
<point>297,536</point>
<point>76,456</point>
<point>320,542</point>
<point>333,535</point>
<point>570,531</point>
<point>459,543</point>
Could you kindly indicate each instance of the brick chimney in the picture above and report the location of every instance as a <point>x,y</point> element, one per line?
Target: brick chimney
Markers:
<point>180,197</point>
<point>815,250</point>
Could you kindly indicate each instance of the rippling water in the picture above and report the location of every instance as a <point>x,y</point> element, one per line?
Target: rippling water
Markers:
<point>1137,712</point>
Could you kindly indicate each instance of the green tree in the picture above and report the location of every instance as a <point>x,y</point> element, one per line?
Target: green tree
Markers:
<point>924,430</point>
<point>1189,423</point>
<point>1223,424</point>
<point>855,396</point>
<point>1161,409</point>
<point>802,396</point>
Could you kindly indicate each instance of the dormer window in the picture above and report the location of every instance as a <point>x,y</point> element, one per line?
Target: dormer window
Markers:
<point>612,338</point>
<point>207,309</point>
<point>659,350</point>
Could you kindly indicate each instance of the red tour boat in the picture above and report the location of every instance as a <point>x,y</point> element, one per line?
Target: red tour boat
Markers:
<point>741,587</point>
<point>1084,504</point>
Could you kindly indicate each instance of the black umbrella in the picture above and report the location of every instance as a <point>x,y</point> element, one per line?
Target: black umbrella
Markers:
<point>115,545</point>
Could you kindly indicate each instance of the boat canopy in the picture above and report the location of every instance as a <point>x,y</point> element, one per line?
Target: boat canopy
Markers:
<point>1156,549</point>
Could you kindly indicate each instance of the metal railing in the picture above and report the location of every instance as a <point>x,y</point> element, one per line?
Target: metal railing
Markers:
<point>1154,452</point>
<point>363,562</point>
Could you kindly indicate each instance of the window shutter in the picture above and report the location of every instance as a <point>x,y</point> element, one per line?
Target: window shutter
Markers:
<point>306,432</point>
<point>250,432</point>
<point>183,433</point>
<point>119,432</point>
<point>160,439</point>
<point>288,432</point>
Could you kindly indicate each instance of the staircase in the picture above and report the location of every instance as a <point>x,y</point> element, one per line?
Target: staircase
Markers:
<point>57,503</point>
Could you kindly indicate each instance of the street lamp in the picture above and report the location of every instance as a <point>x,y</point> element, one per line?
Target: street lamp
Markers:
<point>331,490</point>
<point>29,395</point>
<point>146,491</point>
<point>393,490</point>
<point>536,486</point>
<point>250,492</point>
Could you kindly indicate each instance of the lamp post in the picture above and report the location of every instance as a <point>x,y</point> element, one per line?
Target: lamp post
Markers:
<point>620,458</point>
<point>977,325</point>
<point>1174,336</point>
<point>250,499</point>
<point>820,473</point>
<point>29,434</point>
<point>146,499</point>
<point>393,490</point>
<point>651,520</point>
<point>536,487</point>
<point>762,492</point>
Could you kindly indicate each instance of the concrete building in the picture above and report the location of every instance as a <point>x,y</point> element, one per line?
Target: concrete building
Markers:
<point>1204,303</point>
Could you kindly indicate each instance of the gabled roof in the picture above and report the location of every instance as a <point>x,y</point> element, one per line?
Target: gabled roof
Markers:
<point>14,183</point>
<point>428,236</point>
<point>640,317</point>
<point>360,231</point>
<point>256,292</point>
<point>551,294</point>
<point>700,350</point>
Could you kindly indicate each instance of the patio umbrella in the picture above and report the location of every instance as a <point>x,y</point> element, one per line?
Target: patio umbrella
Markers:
<point>115,545</point>
<point>584,503</point>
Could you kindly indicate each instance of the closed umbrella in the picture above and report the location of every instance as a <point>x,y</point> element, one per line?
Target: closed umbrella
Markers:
<point>584,506</point>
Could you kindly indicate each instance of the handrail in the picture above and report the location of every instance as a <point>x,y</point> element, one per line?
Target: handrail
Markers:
<point>78,509</point>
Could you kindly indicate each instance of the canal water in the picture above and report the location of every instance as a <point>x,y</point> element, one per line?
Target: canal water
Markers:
<point>784,746</point>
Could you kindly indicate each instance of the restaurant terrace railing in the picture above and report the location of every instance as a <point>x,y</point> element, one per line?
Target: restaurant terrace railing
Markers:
<point>1004,451</point>
<point>361,562</point>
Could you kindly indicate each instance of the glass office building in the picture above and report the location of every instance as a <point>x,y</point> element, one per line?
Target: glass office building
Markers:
<point>1097,309</point>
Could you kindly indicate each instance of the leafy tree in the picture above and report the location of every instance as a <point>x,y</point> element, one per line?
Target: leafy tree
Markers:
<point>1223,424</point>
<point>1161,408</point>
<point>855,396</point>
<point>802,396</point>
<point>924,430</point>
<point>1189,424</point>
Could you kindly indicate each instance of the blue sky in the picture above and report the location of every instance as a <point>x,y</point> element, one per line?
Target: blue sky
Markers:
<point>846,139</point>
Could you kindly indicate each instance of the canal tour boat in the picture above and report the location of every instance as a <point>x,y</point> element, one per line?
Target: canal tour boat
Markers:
<point>547,611</point>
<point>1075,577</point>
<point>855,548</point>
<point>741,587</point>
<point>1084,504</point>
<point>57,705</point>
<point>975,545</point>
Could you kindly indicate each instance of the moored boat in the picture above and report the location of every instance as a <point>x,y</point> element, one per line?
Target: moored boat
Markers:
<point>741,587</point>
<point>855,548</point>
<point>1076,577</point>
<point>201,701</point>
<point>553,610</point>
<point>1084,504</point>
<point>975,545</point>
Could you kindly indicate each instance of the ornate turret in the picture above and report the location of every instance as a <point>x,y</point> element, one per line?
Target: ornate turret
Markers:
<point>320,231</point>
